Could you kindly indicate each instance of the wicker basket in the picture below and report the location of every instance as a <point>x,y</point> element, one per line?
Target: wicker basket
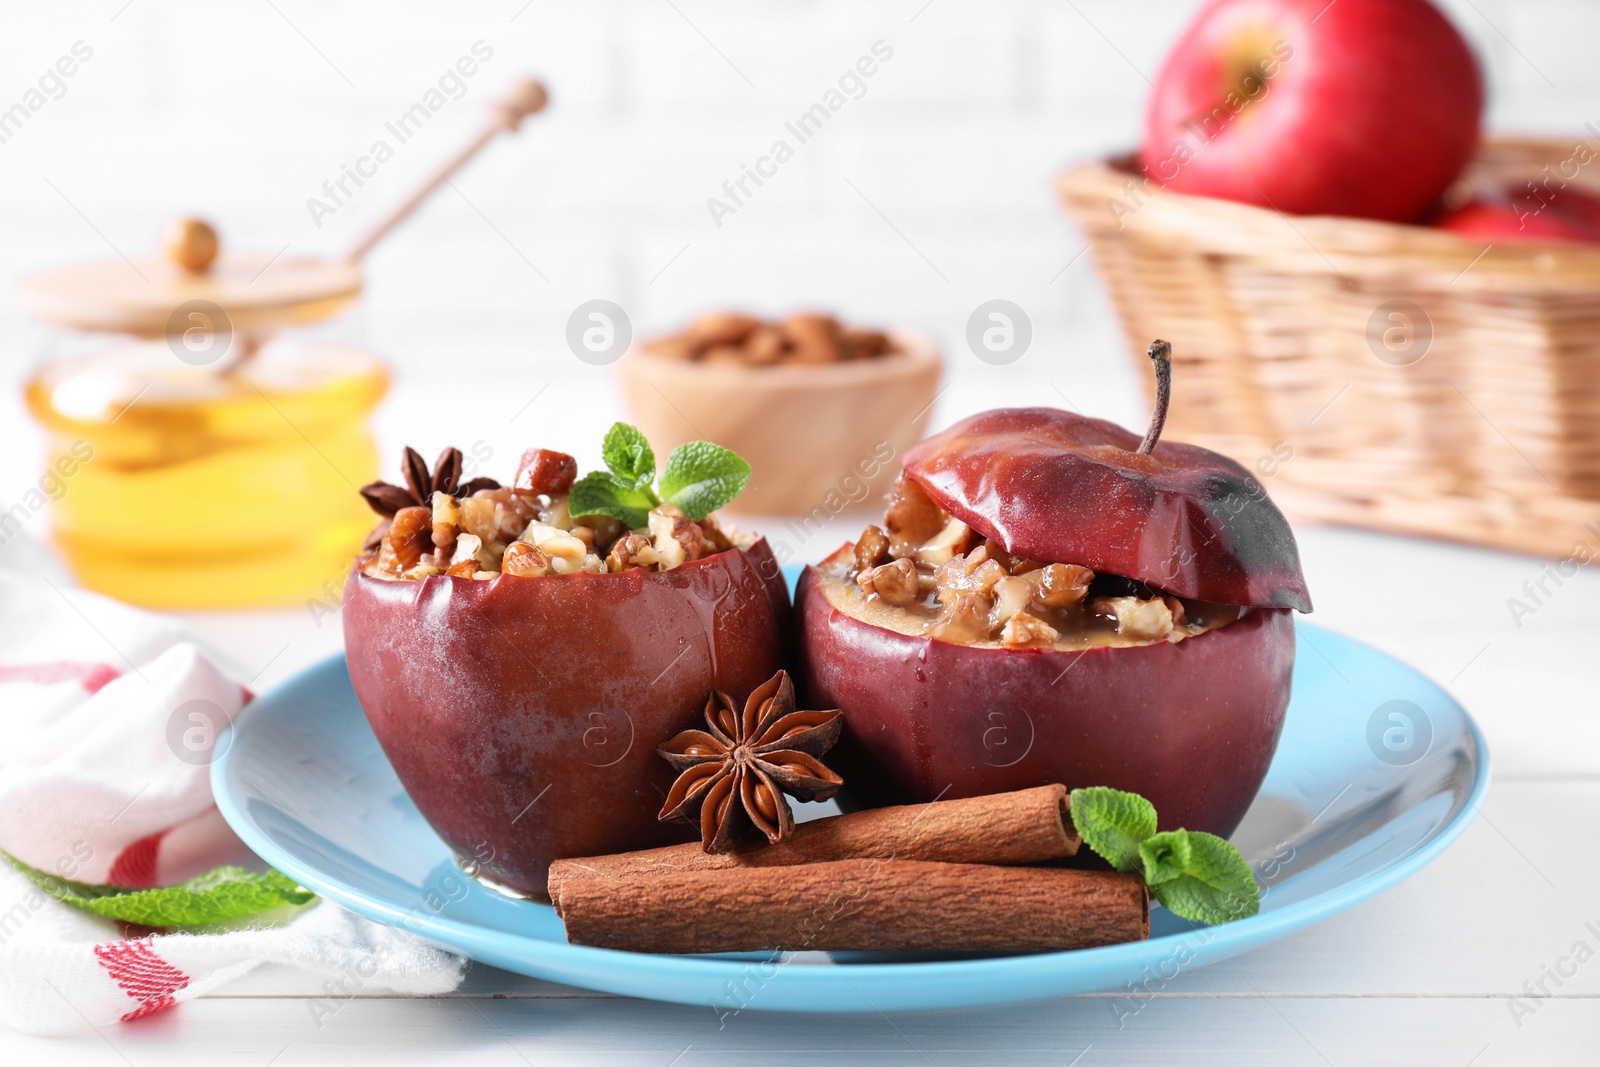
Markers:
<point>1422,383</point>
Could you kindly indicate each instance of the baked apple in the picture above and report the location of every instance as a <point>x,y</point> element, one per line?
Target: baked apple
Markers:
<point>1051,599</point>
<point>521,650</point>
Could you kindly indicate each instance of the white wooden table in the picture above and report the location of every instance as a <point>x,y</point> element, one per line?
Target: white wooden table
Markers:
<point>1445,969</point>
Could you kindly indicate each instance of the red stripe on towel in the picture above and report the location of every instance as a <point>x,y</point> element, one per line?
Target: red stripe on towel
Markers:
<point>92,676</point>
<point>136,865</point>
<point>142,974</point>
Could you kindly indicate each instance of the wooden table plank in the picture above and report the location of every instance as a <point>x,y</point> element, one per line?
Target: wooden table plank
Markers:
<point>1198,1032</point>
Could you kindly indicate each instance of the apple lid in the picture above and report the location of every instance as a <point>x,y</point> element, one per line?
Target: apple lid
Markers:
<point>1058,487</point>
<point>153,296</point>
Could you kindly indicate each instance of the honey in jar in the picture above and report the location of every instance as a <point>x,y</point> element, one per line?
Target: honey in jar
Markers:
<point>225,444</point>
<point>224,450</point>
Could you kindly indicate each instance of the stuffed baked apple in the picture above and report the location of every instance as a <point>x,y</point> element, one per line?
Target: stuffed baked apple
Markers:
<point>521,650</point>
<point>1052,599</point>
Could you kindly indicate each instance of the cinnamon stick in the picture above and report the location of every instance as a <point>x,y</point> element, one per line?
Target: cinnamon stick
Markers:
<point>1026,826</point>
<point>857,905</point>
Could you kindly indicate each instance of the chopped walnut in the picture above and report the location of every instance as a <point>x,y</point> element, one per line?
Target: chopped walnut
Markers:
<point>946,545</point>
<point>1024,629</point>
<point>964,586</point>
<point>446,520</point>
<point>630,551</point>
<point>677,538</point>
<point>555,513</point>
<point>912,517</point>
<point>478,517</point>
<point>469,549</point>
<point>1148,620</point>
<point>718,538</point>
<point>964,617</point>
<point>427,567</point>
<point>973,572</point>
<point>894,583</point>
<point>410,535</point>
<point>566,553</point>
<point>1012,596</point>
<point>998,553</point>
<point>959,585</point>
<point>1061,585</point>
<point>872,549</point>
<point>525,559</point>
<point>529,529</point>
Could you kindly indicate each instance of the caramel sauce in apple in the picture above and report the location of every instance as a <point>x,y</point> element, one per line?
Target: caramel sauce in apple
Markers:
<point>1077,628</point>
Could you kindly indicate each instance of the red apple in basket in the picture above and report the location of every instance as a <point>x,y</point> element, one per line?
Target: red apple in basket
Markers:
<point>1522,213</point>
<point>1366,108</point>
<point>1165,671</point>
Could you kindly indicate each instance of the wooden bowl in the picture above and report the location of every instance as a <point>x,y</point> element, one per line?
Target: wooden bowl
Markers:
<point>814,434</point>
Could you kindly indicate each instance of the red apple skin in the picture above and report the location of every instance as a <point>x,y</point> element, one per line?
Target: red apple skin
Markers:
<point>1192,725</point>
<point>522,714</point>
<point>1059,487</point>
<point>1371,107</point>
<point>1516,213</point>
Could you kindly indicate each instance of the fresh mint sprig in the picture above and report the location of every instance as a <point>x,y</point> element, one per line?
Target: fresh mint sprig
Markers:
<point>629,455</point>
<point>1196,875</point>
<point>1113,823</point>
<point>699,478</point>
<point>223,895</point>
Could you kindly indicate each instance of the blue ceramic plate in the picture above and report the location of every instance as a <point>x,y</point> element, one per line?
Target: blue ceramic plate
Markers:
<point>1377,772</point>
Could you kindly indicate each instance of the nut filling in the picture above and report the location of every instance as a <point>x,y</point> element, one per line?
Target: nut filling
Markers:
<point>926,574</point>
<point>525,529</point>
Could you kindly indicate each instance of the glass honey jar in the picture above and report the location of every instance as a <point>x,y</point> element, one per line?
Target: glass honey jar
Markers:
<point>226,436</point>
<point>217,432</point>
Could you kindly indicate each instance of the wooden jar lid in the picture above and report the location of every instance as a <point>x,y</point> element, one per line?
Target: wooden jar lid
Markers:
<point>148,297</point>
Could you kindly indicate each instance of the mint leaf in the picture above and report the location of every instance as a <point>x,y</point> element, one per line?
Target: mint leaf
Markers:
<point>1199,876</point>
<point>218,896</point>
<point>629,455</point>
<point>602,493</point>
<point>701,477</point>
<point>1113,823</point>
<point>1165,856</point>
<point>1196,875</point>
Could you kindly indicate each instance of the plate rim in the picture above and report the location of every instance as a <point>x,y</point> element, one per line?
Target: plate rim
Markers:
<point>577,963</point>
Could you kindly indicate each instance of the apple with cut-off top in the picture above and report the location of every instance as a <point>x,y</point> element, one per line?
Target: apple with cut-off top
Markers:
<point>1191,724</point>
<point>521,701</point>
<point>522,714</point>
<point>1364,108</point>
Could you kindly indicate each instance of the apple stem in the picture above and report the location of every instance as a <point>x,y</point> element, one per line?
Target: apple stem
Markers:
<point>1161,356</point>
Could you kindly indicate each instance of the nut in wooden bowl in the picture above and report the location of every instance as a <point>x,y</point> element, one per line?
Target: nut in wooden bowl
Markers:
<point>821,411</point>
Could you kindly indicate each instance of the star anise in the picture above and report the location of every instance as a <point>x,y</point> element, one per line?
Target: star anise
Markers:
<point>734,774</point>
<point>420,485</point>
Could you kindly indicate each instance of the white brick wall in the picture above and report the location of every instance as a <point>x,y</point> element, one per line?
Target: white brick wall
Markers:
<point>229,110</point>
